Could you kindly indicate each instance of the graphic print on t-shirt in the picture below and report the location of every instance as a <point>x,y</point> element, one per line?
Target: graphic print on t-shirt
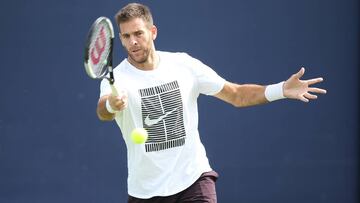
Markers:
<point>162,115</point>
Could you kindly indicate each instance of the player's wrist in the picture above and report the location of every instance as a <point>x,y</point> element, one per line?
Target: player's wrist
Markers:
<point>275,92</point>
<point>109,108</point>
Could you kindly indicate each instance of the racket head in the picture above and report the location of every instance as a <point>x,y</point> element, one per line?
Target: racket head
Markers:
<point>98,48</point>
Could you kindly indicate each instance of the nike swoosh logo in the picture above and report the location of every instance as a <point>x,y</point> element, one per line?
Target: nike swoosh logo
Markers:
<point>150,122</point>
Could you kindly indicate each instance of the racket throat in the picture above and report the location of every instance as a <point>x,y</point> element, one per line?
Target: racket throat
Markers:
<point>111,81</point>
<point>111,74</point>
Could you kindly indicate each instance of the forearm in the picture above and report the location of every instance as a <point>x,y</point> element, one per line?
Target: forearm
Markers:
<point>102,112</point>
<point>243,95</point>
<point>250,95</point>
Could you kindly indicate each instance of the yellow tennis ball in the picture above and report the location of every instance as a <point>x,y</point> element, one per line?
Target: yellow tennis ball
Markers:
<point>139,135</point>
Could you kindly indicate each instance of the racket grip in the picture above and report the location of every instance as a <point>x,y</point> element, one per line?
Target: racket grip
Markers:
<point>114,91</point>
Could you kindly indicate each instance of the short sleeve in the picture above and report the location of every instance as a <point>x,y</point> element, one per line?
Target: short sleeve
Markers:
<point>208,81</point>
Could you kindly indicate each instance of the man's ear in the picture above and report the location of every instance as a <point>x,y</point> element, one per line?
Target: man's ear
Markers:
<point>153,31</point>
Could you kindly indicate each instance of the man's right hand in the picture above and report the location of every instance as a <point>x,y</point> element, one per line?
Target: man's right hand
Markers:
<point>117,103</point>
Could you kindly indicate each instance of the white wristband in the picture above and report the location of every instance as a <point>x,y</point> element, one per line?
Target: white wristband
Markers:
<point>109,108</point>
<point>274,92</point>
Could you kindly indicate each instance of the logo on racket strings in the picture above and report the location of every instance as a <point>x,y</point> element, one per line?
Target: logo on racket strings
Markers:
<point>97,50</point>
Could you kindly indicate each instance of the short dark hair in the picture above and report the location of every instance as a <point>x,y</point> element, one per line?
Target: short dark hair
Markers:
<point>134,10</point>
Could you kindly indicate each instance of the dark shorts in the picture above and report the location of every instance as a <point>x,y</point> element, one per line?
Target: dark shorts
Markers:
<point>203,190</point>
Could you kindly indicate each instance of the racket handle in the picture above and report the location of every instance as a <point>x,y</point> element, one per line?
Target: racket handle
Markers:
<point>114,91</point>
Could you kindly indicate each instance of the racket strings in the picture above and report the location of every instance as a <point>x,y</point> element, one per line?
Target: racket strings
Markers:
<point>99,49</point>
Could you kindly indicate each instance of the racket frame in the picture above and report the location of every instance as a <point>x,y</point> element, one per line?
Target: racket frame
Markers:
<point>108,67</point>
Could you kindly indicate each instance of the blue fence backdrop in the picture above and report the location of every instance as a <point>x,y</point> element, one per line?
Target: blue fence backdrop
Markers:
<point>53,149</point>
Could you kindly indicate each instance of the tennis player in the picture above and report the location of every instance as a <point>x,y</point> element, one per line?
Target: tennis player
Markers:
<point>159,93</point>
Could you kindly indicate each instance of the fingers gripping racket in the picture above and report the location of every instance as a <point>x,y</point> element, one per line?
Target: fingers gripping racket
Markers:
<point>98,51</point>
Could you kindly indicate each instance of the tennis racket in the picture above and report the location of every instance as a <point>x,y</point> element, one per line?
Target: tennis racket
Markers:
<point>98,52</point>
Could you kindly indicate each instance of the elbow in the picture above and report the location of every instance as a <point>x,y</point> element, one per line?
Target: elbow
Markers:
<point>237,102</point>
<point>238,105</point>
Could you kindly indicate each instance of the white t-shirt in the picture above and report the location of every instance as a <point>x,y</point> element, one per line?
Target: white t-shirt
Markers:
<point>164,102</point>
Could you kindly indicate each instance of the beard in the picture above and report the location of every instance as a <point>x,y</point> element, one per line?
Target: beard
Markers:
<point>139,57</point>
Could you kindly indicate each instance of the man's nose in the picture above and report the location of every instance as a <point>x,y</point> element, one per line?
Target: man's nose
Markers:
<point>133,40</point>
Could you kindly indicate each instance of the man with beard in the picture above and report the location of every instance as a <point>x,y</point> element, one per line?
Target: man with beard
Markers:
<point>159,92</point>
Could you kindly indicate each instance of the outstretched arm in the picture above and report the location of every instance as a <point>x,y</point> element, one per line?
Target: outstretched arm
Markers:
<point>251,94</point>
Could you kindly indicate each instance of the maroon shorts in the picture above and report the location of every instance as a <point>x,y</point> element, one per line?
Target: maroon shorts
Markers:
<point>203,190</point>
